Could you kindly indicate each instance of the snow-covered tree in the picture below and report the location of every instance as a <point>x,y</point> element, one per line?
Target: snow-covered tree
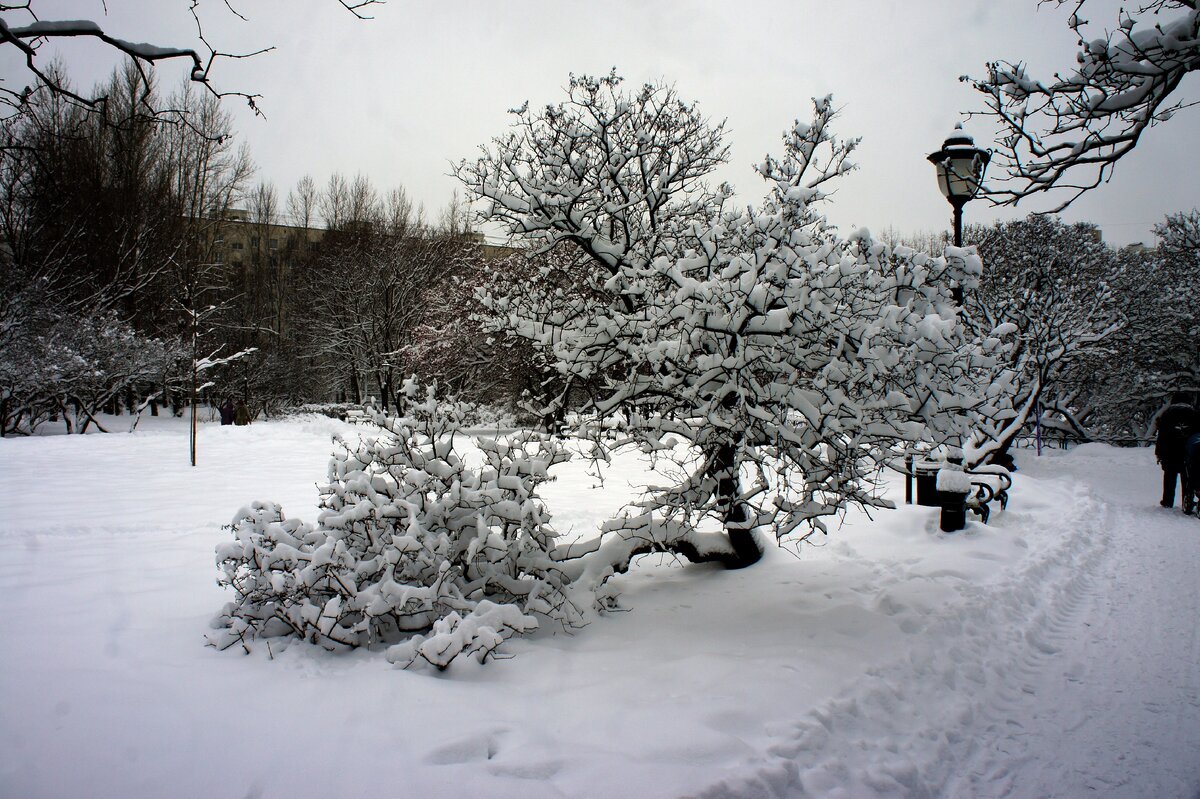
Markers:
<point>1158,351</point>
<point>1052,285</point>
<point>1176,346</point>
<point>790,360</point>
<point>415,548</point>
<point>1068,133</point>
<point>1179,235</point>
<point>69,364</point>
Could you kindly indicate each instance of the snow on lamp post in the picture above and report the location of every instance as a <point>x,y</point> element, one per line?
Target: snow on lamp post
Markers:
<point>960,165</point>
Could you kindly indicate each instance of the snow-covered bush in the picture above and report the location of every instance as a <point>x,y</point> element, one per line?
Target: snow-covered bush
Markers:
<point>67,363</point>
<point>415,549</point>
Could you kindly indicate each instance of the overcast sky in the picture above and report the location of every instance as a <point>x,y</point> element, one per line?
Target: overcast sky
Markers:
<point>421,85</point>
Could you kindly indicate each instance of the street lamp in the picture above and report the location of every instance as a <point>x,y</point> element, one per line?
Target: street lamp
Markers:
<point>960,166</point>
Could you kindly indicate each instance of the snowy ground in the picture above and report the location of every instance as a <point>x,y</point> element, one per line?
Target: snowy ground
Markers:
<point>1052,653</point>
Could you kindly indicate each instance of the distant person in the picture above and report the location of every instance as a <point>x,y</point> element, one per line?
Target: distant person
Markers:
<point>1191,464</point>
<point>1175,425</point>
<point>242,416</point>
<point>227,411</point>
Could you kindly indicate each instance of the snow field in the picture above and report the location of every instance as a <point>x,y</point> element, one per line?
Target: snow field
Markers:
<point>1051,653</point>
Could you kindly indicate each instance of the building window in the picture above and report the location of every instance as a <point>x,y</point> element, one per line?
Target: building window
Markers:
<point>237,245</point>
<point>274,244</point>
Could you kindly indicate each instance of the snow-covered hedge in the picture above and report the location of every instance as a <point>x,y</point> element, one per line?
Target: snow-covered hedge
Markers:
<point>414,549</point>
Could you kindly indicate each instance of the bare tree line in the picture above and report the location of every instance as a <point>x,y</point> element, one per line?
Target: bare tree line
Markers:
<point>125,224</point>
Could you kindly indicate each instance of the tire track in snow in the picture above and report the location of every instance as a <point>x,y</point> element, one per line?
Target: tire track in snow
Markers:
<point>912,726</point>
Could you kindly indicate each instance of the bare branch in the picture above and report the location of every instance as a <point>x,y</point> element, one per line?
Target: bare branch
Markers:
<point>354,6</point>
<point>30,37</point>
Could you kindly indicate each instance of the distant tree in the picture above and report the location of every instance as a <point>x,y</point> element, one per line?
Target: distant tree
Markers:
<point>1176,344</point>
<point>1157,353</point>
<point>302,203</point>
<point>1068,134</point>
<point>1179,235</point>
<point>1052,285</point>
<point>69,364</point>
<point>790,360</point>
<point>209,177</point>
<point>374,281</point>
<point>334,201</point>
<point>932,242</point>
<point>263,283</point>
<point>89,201</point>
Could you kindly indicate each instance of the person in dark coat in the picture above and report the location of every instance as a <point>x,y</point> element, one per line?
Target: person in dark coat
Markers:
<point>1191,464</point>
<point>1175,425</point>
<point>227,411</point>
<point>242,415</point>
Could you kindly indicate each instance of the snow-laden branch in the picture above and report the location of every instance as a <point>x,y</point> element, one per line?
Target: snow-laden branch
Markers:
<point>203,364</point>
<point>1067,134</point>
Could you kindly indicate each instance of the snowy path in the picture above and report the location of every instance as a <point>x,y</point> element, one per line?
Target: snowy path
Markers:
<point>1117,711</point>
<point>1077,675</point>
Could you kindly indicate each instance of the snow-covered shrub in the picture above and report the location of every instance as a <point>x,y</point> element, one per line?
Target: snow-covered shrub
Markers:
<point>72,363</point>
<point>415,548</point>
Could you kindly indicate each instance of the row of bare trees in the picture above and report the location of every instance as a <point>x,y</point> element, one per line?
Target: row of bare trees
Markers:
<point>142,265</point>
<point>104,247</point>
<point>345,291</point>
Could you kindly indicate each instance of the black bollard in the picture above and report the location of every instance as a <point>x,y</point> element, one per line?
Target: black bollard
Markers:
<point>954,510</point>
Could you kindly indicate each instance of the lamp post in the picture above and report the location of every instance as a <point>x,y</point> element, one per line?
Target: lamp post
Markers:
<point>960,165</point>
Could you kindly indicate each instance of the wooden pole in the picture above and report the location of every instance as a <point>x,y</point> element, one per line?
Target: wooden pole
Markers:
<point>192,443</point>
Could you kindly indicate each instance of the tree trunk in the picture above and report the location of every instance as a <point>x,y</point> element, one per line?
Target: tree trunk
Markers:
<point>745,546</point>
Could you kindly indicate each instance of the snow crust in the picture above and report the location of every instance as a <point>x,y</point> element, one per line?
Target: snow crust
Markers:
<point>1050,653</point>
